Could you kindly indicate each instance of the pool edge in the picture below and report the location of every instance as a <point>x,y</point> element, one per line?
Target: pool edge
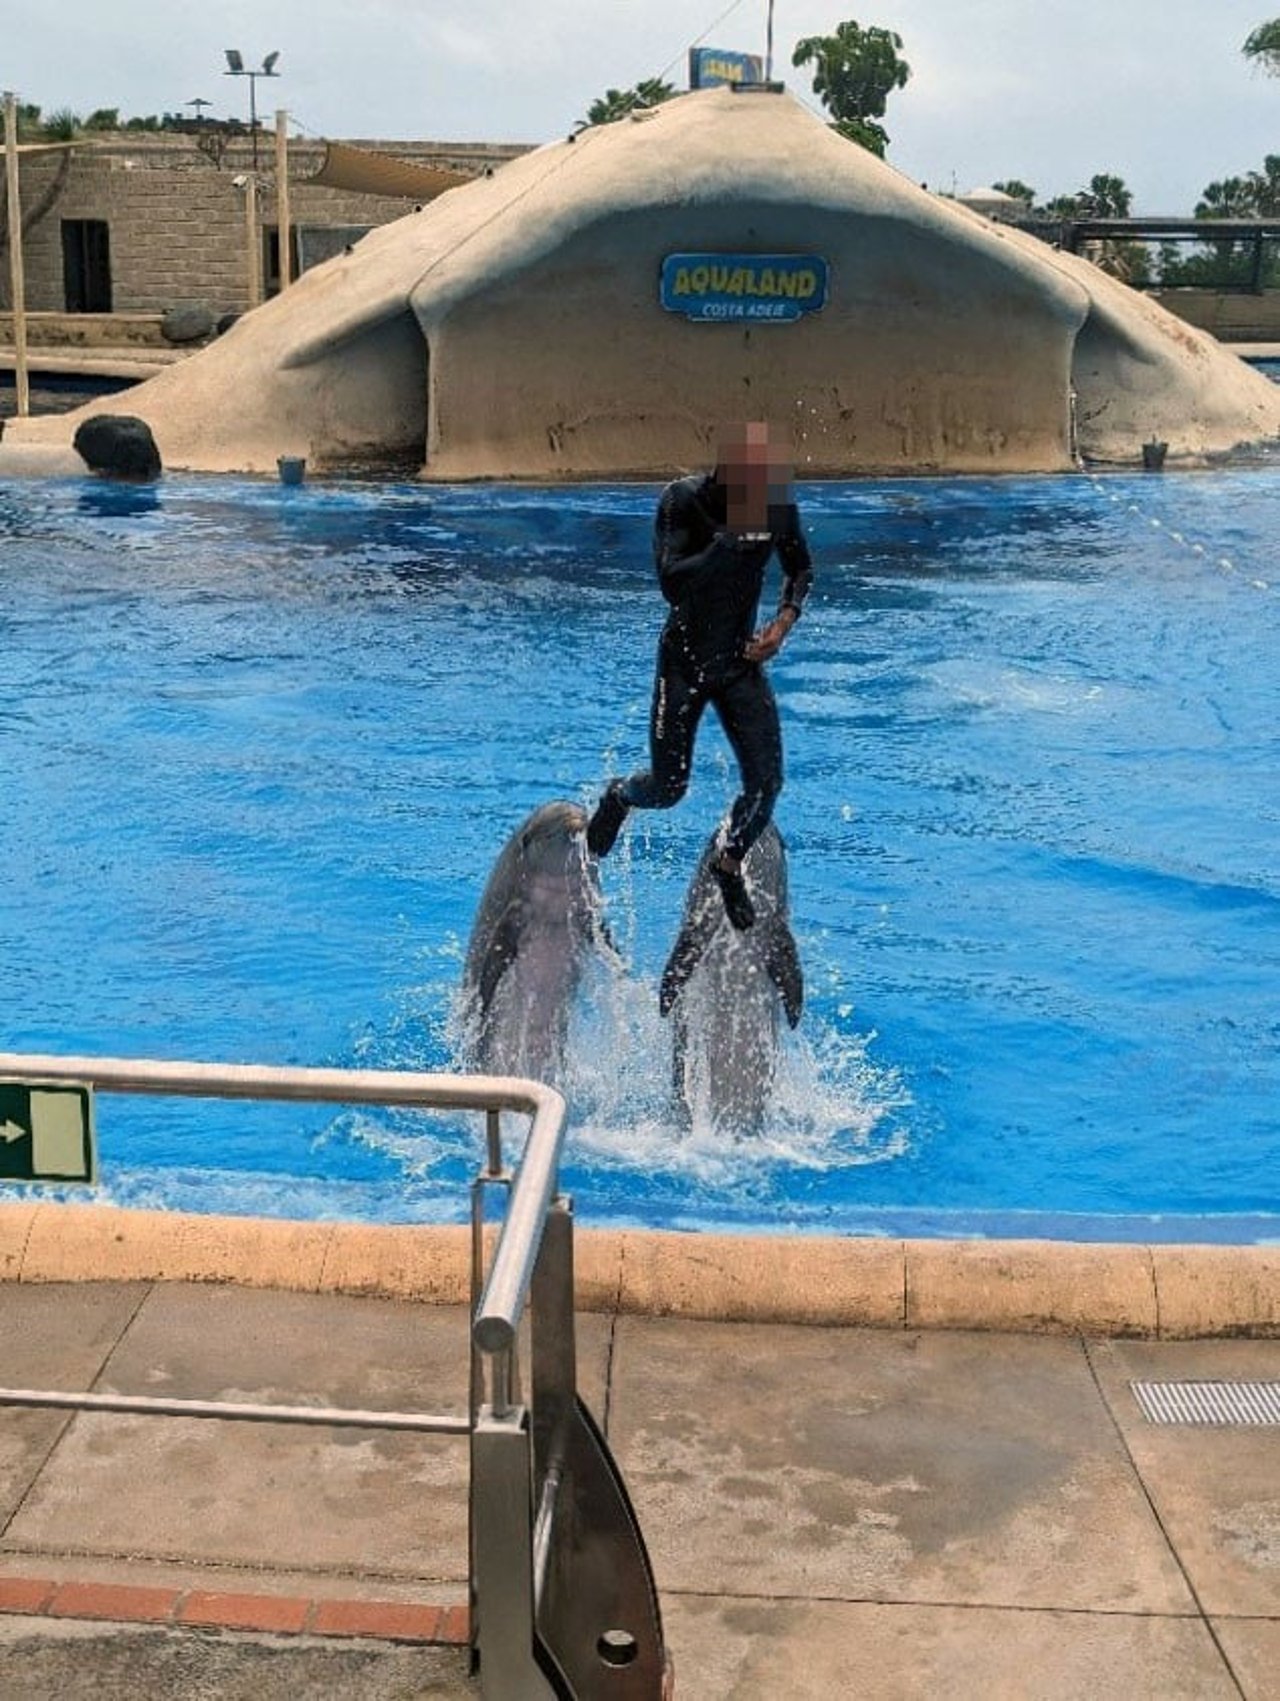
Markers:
<point>1167,1292</point>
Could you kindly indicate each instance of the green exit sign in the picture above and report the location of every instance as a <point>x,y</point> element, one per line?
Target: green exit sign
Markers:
<point>46,1132</point>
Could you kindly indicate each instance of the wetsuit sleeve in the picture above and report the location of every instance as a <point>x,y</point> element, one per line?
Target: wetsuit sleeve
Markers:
<point>682,552</point>
<point>797,563</point>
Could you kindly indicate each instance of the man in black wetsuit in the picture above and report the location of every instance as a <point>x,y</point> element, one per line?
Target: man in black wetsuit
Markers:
<point>712,542</point>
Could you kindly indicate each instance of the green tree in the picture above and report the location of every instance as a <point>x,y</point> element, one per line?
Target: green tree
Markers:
<point>1265,185</point>
<point>1225,263</point>
<point>617,103</point>
<point>1108,196</point>
<point>1232,198</point>
<point>30,124</point>
<point>1229,263</point>
<point>1018,189</point>
<point>61,126</point>
<point>104,118</point>
<point>1263,47</point>
<point>855,70</point>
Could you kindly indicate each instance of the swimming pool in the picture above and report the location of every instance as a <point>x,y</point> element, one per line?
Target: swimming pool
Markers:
<point>260,746</point>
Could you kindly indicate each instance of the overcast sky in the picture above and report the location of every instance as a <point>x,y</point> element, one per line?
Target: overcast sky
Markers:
<point>1050,91</point>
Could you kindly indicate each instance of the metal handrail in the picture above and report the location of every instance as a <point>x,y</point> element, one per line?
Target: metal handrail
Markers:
<point>501,1305</point>
<point>546,1498</point>
<point>234,1411</point>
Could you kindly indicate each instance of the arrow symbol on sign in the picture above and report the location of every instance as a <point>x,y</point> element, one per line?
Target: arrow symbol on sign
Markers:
<point>11,1131</point>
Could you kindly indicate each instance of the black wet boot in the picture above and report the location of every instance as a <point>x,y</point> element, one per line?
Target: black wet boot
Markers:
<point>737,900</point>
<point>605,825</point>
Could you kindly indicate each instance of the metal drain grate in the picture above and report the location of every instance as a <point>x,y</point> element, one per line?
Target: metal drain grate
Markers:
<point>1209,1402</point>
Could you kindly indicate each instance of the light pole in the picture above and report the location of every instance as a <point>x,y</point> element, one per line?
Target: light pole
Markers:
<point>17,279</point>
<point>236,67</point>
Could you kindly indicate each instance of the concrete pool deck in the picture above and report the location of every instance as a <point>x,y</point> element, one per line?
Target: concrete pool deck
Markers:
<point>965,1500</point>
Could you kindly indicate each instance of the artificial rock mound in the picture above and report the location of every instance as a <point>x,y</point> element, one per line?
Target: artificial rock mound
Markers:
<point>513,328</point>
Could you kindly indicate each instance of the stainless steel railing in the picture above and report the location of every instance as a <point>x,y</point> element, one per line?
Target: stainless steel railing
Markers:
<point>549,1623</point>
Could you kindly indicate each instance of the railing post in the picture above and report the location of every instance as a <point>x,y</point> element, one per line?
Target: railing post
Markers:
<point>503,1624</point>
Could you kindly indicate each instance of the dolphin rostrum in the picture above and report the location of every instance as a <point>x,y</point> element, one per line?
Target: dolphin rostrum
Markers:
<point>537,922</point>
<point>724,989</point>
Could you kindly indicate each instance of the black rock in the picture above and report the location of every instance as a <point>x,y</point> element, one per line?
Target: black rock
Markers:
<point>186,324</point>
<point>225,323</point>
<point>119,445</point>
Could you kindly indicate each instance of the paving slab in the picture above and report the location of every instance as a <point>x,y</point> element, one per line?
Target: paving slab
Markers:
<point>855,1464</point>
<point>765,1651</point>
<point>61,1335</point>
<point>831,1510</point>
<point>1253,1647</point>
<point>256,1496</point>
<point>1215,1489</point>
<point>93,1662</point>
<point>51,1338</point>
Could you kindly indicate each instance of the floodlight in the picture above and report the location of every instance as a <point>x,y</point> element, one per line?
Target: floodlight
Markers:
<point>236,67</point>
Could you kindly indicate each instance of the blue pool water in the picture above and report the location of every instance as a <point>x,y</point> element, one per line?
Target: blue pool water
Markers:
<point>260,746</point>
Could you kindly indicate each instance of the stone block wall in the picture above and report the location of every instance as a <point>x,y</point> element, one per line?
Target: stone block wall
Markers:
<point>177,225</point>
<point>1232,317</point>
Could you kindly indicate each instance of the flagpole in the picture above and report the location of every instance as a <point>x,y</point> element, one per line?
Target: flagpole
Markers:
<point>768,52</point>
<point>17,289</point>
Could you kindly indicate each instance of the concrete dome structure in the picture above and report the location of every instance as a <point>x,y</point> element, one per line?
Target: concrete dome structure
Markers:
<point>514,327</point>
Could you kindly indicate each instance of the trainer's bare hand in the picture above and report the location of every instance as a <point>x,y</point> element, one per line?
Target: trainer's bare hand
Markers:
<point>768,640</point>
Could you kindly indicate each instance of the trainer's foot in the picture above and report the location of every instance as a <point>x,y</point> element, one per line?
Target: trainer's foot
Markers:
<point>605,825</point>
<point>733,889</point>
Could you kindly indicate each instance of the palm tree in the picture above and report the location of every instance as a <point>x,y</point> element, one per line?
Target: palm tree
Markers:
<point>1264,186</point>
<point>1232,198</point>
<point>1110,196</point>
<point>620,103</point>
<point>1263,47</point>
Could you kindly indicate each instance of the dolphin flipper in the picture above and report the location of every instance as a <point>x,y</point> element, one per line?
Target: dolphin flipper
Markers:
<point>500,955</point>
<point>782,964</point>
<point>685,956</point>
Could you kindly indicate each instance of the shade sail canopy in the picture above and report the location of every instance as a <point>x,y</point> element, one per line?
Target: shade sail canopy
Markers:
<point>367,172</point>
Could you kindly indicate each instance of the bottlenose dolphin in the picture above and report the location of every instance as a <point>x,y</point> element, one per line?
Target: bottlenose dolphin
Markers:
<point>724,988</point>
<point>537,923</point>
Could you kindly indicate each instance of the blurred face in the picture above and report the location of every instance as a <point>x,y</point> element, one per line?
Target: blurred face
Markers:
<point>755,473</point>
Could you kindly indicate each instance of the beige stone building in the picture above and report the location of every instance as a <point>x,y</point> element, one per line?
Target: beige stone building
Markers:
<point>139,223</point>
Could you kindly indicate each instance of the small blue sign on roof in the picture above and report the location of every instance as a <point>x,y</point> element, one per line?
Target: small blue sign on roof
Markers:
<point>730,288</point>
<point>712,66</point>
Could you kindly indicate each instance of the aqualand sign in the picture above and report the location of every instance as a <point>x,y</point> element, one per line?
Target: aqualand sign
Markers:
<point>762,288</point>
<point>709,67</point>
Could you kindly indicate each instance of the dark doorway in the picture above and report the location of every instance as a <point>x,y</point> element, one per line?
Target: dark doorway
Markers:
<point>271,257</point>
<point>86,265</point>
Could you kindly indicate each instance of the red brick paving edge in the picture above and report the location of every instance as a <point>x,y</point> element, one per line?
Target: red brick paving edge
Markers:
<point>395,1621</point>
